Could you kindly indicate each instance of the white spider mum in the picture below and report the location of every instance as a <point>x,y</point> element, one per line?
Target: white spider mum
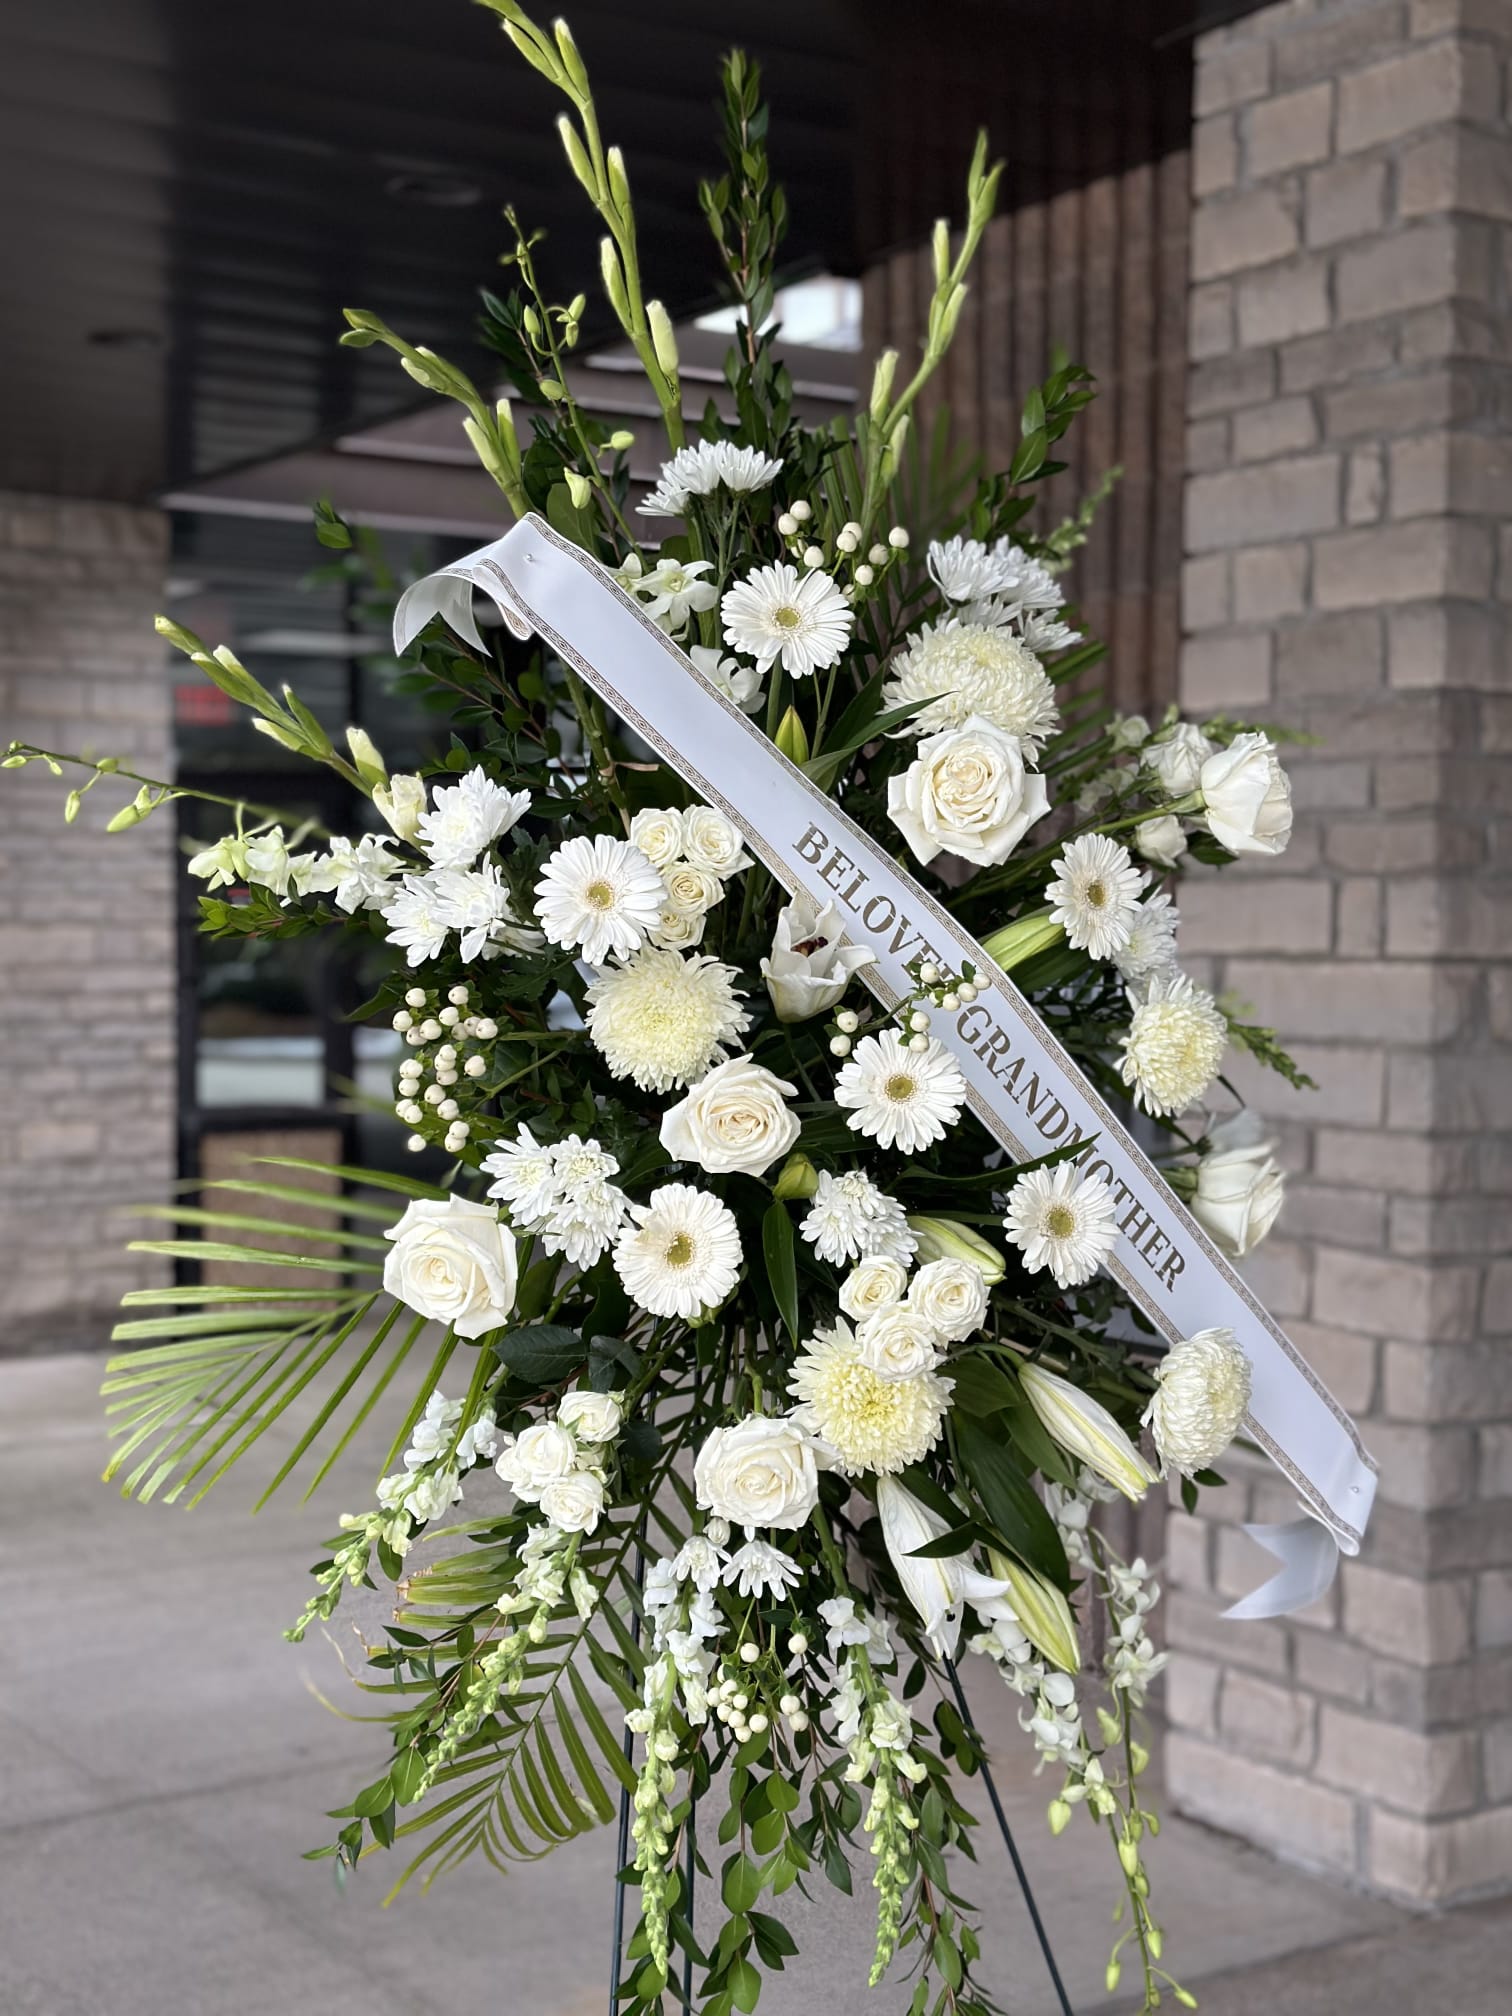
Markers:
<point>664,1019</point>
<point>464,817</point>
<point>1150,947</point>
<point>868,1421</point>
<point>901,1098</point>
<point>700,469</point>
<point>851,1219</point>
<point>682,1253</point>
<point>601,895</point>
<point>778,614</point>
<point>1175,1044</point>
<point>1062,1221</point>
<point>1093,893</point>
<point>961,669</point>
<point>525,1177</point>
<point>1202,1397</point>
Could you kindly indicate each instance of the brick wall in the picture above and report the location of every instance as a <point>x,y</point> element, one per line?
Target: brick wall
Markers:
<point>1349,570</point>
<point>87,984</point>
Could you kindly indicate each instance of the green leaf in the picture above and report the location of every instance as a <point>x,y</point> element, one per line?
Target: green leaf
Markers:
<point>541,1353</point>
<point>741,1884</point>
<point>744,1984</point>
<point>779,1250</point>
<point>1010,1500</point>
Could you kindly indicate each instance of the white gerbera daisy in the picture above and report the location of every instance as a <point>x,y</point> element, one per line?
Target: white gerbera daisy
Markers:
<point>1201,1398</point>
<point>464,817</point>
<point>964,570</point>
<point>869,1422</point>
<point>760,1569</point>
<point>665,1019</point>
<point>1093,893</point>
<point>682,1254</point>
<point>1151,944</point>
<point>776,613</point>
<point>674,591</point>
<point>737,682</point>
<point>602,895</point>
<point>1175,1044</point>
<point>961,669</point>
<point>851,1219</point>
<point>901,1098</point>
<point>700,469</point>
<point>1062,1221</point>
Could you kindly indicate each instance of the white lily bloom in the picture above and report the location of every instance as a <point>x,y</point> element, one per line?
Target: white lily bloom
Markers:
<point>808,968</point>
<point>939,1588</point>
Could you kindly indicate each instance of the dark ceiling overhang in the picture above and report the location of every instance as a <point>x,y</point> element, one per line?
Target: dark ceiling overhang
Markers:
<point>191,193</point>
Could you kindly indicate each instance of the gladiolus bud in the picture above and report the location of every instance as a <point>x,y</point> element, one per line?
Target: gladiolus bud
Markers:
<point>1023,939</point>
<point>882,384</point>
<point>797,1179</point>
<point>370,765</point>
<point>663,340</point>
<point>948,1239</point>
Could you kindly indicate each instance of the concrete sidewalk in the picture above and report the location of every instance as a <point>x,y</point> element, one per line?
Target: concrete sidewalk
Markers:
<point>164,1761</point>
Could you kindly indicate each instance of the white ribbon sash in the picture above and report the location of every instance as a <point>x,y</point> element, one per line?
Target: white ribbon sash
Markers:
<point>1021,1084</point>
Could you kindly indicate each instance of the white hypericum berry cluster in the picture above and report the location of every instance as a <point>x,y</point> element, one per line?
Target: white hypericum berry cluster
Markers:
<point>803,540</point>
<point>447,1046</point>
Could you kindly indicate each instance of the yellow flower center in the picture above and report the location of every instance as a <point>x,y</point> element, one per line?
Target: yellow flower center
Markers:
<point>1097,894</point>
<point>1060,1221</point>
<point>679,1251</point>
<point>787,617</point>
<point>599,896</point>
<point>900,1087</point>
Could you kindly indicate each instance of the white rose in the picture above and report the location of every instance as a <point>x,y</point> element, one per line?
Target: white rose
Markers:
<point>967,793</point>
<point>542,1454</point>
<point>952,1296</point>
<point>693,889</point>
<point>675,930</point>
<point>592,1417</point>
<point>872,1285</point>
<point>734,1118</point>
<point>402,803</point>
<point>1240,1187</point>
<point>899,1343</point>
<point>1246,797</point>
<point>454,1262</point>
<point>1177,758</point>
<point>761,1472</point>
<point>575,1502</point>
<point>659,835</point>
<point>808,968</point>
<point>710,841</point>
<point>1160,840</point>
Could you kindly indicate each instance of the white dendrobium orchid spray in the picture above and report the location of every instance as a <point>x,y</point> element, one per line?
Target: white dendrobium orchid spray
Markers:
<point>704,1265</point>
<point>1200,1400</point>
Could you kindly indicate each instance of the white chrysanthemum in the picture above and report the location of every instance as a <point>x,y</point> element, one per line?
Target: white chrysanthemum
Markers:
<point>700,469</point>
<point>901,1098</point>
<point>665,1018</point>
<point>357,872</point>
<point>1175,1044</point>
<point>682,1255</point>
<point>1150,947</point>
<point>851,1219</point>
<point>465,816</point>
<point>762,1570</point>
<point>585,1222</point>
<point>961,669</point>
<point>602,895</point>
<point>964,570</point>
<point>1200,1401</point>
<point>1062,1221</point>
<point>740,683</point>
<point>1027,583</point>
<point>425,909</point>
<point>1093,893</point>
<point>777,614</point>
<point>525,1177</point>
<point>870,1423</point>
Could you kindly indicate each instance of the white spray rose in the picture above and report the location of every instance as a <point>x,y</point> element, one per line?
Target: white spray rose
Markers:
<point>808,968</point>
<point>899,1342</point>
<point>761,1472</point>
<point>1240,1186</point>
<point>871,1286</point>
<point>592,1417</point>
<point>454,1262</point>
<point>1160,840</point>
<point>1200,1401</point>
<point>658,834</point>
<point>967,793</point>
<point>734,1119</point>
<point>1246,797</point>
<point>951,1295</point>
<point>692,889</point>
<point>1177,758</point>
<point>575,1502</point>
<point>710,841</point>
<point>541,1454</point>
<point>402,803</point>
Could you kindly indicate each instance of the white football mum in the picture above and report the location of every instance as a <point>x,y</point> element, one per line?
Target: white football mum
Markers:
<point>1175,1044</point>
<point>1202,1395</point>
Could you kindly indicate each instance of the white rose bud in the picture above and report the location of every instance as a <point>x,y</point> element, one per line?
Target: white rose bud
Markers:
<point>542,1454</point>
<point>454,1262</point>
<point>710,841</point>
<point>968,794</point>
<point>1246,797</point>
<point>574,1502</point>
<point>592,1417</point>
<point>402,803</point>
<point>1240,1187</point>
<point>872,1286</point>
<point>659,835</point>
<point>1160,840</point>
<point>808,968</point>
<point>734,1119</point>
<point>1177,758</point>
<point>761,1472</point>
<point>1200,1401</point>
<point>676,930</point>
<point>952,1295</point>
<point>899,1343</point>
<point>692,889</point>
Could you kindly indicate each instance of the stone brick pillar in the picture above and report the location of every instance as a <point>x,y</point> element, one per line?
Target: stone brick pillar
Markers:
<point>87,981</point>
<point>1349,570</point>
